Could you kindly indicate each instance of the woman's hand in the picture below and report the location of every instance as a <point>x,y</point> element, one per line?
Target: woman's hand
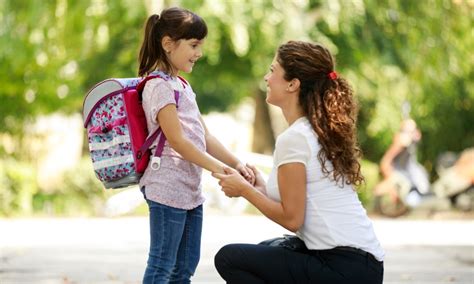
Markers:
<point>233,184</point>
<point>259,181</point>
<point>246,172</point>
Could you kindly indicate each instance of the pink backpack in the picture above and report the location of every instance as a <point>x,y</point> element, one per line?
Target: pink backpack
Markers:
<point>117,131</point>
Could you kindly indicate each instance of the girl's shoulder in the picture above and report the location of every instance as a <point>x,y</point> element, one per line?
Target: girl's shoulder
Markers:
<point>164,83</point>
<point>161,78</point>
<point>158,84</point>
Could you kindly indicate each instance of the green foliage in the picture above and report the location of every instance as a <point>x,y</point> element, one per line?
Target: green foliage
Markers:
<point>78,192</point>
<point>242,40</point>
<point>370,171</point>
<point>403,50</point>
<point>18,185</point>
<point>51,53</point>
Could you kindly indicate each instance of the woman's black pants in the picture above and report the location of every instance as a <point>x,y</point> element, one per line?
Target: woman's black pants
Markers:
<point>248,263</point>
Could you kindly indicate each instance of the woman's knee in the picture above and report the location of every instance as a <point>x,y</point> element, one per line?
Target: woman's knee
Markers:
<point>224,257</point>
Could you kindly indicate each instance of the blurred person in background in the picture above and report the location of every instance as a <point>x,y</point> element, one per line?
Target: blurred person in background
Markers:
<point>404,178</point>
<point>456,179</point>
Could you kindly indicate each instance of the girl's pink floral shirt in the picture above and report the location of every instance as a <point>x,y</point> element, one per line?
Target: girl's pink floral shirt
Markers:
<point>177,183</point>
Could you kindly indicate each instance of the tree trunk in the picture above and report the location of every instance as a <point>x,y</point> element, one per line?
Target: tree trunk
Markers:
<point>263,137</point>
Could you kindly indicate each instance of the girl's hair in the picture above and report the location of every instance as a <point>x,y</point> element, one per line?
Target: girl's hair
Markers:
<point>328,103</point>
<point>177,23</point>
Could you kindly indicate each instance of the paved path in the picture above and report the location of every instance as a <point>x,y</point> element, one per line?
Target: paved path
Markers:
<point>113,250</point>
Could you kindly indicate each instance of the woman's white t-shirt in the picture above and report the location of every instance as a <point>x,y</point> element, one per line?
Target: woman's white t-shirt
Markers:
<point>334,215</point>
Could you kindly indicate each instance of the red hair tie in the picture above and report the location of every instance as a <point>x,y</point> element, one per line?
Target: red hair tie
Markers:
<point>332,75</point>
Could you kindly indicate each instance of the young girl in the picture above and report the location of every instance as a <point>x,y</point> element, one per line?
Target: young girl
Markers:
<point>172,43</point>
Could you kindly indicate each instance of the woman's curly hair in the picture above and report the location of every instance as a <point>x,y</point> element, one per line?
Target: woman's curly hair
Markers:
<point>328,104</point>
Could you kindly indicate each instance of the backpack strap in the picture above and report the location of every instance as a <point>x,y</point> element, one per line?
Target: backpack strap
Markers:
<point>183,80</point>
<point>143,82</point>
<point>154,135</point>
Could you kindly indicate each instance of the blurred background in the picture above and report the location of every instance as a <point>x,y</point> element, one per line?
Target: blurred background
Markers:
<point>393,53</point>
<point>405,59</point>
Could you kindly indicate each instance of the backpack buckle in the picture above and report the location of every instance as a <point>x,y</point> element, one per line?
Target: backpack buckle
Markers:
<point>155,163</point>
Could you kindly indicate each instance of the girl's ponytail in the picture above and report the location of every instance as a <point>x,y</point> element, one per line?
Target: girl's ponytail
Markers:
<point>151,50</point>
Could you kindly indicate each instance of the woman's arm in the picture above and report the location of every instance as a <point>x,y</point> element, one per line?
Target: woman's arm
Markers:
<point>288,213</point>
<point>171,127</point>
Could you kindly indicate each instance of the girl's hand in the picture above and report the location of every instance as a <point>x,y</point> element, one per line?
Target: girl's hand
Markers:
<point>233,184</point>
<point>246,172</point>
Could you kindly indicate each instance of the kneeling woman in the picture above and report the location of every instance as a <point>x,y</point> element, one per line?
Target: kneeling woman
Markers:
<point>310,190</point>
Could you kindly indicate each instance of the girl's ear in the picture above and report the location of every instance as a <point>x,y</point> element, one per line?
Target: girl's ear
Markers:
<point>167,44</point>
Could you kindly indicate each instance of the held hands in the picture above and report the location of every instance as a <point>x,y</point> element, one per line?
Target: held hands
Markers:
<point>246,172</point>
<point>233,184</point>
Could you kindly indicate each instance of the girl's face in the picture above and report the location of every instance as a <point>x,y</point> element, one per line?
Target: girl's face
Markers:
<point>184,54</point>
<point>276,84</point>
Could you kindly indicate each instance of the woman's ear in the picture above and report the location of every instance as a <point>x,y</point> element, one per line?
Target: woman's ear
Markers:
<point>167,44</point>
<point>294,85</point>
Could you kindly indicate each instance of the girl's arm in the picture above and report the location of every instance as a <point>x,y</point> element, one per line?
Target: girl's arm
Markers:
<point>215,148</point>
<point>171,127</point>
<point>288,213</point>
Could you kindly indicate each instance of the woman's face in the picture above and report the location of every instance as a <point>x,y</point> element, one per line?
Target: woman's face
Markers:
<point>276,84</point>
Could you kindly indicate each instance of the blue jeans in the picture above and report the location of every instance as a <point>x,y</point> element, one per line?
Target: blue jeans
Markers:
<point>175,244</point>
